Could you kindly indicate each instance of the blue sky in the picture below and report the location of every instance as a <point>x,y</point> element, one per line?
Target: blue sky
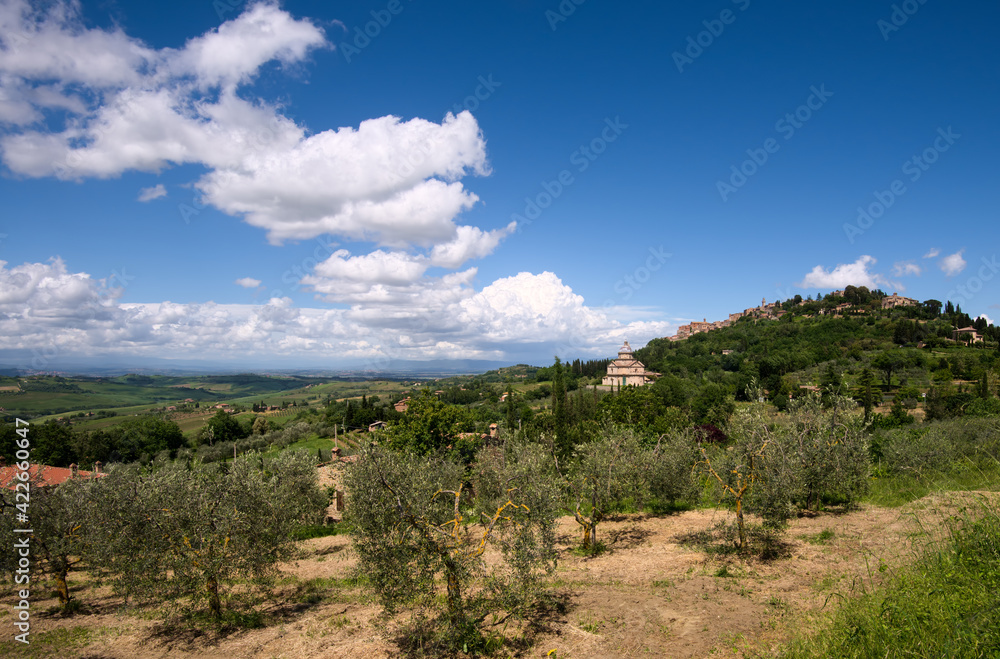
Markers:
<point>349,184</point>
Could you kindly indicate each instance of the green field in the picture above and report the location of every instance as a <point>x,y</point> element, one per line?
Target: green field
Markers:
<point>44,398</point>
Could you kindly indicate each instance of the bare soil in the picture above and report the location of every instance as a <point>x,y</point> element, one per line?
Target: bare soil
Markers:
<point>649,594</point>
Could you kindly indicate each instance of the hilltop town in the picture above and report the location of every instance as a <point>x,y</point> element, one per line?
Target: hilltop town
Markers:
<point>775,310</point>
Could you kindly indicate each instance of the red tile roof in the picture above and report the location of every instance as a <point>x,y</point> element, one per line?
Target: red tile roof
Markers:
<point>42,475</point>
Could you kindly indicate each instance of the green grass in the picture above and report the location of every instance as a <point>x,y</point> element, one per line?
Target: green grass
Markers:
<point>131,394</point>
<point>946,604</point>
<point>310,444</point>
<point>320,531</point>
<point>822,538</point>
<point>55,643</point>
<point>897,490</point>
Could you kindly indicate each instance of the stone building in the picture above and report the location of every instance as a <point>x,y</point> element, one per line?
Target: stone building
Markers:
<point>894,300</point>
<point>964,333</point>
<point>627,370</point>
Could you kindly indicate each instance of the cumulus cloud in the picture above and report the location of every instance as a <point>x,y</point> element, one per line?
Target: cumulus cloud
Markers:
<point>932,253</point>
<point>41,298</point>
<point>953,264</point>
<point>390,181</point>
<point>906,268</point>
<point>233,53</point>
<point>847,274</point>
<point>44,304</point>
<point>468,243</point>
<point>79,102</point>
<point>155,192</point>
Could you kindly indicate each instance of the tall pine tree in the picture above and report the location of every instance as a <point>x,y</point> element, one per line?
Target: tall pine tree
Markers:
<point>559,409</point>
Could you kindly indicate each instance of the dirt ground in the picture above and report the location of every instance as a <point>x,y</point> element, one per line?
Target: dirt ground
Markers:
<point>648,595</point>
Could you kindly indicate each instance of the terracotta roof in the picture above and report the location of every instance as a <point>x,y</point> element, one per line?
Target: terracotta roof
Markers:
<point>42,475</point>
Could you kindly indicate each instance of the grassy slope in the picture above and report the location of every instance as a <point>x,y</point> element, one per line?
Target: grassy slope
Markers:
<point>945,604</point>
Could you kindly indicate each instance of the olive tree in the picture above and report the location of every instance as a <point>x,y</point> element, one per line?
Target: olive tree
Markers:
<point>414,518</point>
<point>195,530</point>
<point>756,474</point>
<point>829,449</point>
<point>605,472</point>
<point>668,467</point>
<point>59,518</point>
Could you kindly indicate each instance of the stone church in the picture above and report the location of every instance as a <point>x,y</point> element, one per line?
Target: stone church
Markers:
<point>627,370</point>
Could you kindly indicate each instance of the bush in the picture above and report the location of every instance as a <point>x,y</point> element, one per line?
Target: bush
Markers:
<point>669,468</point>
<point>409,523</point>
<point>937,446</point>
<point>195,531</point>
<point>830,450</point>
<point>756,474</point>
<point>604,473</point>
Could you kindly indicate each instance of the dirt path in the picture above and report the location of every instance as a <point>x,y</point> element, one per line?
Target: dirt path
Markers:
<point>649,595</point>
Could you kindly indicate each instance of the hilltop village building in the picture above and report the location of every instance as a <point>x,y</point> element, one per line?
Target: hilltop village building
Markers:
<point>764,312</point>
<point>627,370</point>
<point>894,300</point>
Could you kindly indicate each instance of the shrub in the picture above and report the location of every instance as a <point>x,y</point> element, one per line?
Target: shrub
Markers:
<point>412,519</point>
<point>195,531</point>
<point>669,468</point>
<point>756,474</point>
<point>830,450</point>
<point>603,473</point>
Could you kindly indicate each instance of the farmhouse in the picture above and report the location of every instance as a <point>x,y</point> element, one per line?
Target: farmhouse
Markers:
<point>963,333</point>
<point>627,370</point>
<point>46,476</point>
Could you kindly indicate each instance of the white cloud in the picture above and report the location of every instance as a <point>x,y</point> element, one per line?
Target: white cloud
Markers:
<point>953,264</point>
<point>155,192</point>
<point>376,183</point>
<point>233,53</point>
<point>49,43</point>
<point>847,274</point>
<point>932,253</point>
<point>248,282</point>
<point>906,268</point>
<point>469,243</point>
<point>131,107</point>
<point>45,297</point>
<point>43,304</point>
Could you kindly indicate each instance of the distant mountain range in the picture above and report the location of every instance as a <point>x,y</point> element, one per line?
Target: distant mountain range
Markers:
<point>13,363</point>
